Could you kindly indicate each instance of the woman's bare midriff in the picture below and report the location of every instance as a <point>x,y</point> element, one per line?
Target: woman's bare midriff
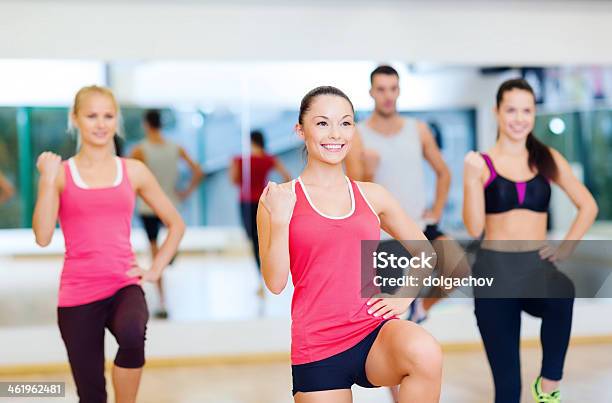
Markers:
<point>515,230</point>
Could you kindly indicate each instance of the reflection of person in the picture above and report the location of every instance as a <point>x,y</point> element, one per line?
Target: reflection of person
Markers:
<point>260,166</point>
<point>507,194</point>
<point>389,151</point>
<point>93,195</point>
<point>6,189</point>
<point>312,227</point>
<point>162,158</point>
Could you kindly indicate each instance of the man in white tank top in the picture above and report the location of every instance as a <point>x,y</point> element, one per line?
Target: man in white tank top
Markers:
<point>389,150</point>
<point>162,158</point>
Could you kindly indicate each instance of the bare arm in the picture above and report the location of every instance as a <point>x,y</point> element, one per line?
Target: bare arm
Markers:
<point>353,163</point>
<point>6,189</point>
<point>273,217</point>
<point>579,195</point>
<point>474,177</point>
<point>280,167</point>
<point>432,154</point>
<point>147,187</point>
<point>396,223</point>
<point>393,218</point>
<point>234,172</point>
<point>46,210</point>
<point>197,175</point>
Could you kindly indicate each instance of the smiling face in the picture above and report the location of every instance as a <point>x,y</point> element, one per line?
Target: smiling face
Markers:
<point>516,114</point>
<point>95,116</point>
<point>385,91</point>
<point>328,127</point>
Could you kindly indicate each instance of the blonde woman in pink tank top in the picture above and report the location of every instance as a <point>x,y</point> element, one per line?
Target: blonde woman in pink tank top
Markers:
<point>93,196</point>
<point>313,228</point>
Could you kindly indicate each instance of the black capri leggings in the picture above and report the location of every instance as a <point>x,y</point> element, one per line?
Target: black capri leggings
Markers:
<point>125,314</point>
<point>499,319</point>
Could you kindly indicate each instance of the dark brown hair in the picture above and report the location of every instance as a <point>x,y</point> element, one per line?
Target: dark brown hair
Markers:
<point>383,69</point>
<point>153,118</point>
<point>323,90</point>
<point>540,157</point>
<point>258,139</point>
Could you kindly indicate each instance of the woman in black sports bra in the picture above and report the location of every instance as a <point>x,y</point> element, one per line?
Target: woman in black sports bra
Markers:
<point>506,195</point>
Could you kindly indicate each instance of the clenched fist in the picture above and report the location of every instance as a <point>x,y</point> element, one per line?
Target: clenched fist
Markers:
<point>473,165</point>
<point>279,202</point>
<point>48,164</point>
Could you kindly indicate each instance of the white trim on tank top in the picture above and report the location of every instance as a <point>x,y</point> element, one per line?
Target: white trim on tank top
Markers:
<point>367,202</point>
<point>80,183</point>
<point>350,213</point>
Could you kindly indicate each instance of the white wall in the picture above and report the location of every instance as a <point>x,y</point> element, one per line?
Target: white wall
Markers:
<point>46,82</point>
<point>282,85</point>
<point>480,32</point>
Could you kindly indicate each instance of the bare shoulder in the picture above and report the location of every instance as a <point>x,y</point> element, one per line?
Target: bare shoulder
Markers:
<point>286,185</point>
<point>135,165</point>
<point>422,126</point>
<point>557,156</point>
<point>373,192</point>
<point>492,152</point>
<point>564,169</point>
<point>370,187</point>
<point>137,172</point>
<point>425,133</point>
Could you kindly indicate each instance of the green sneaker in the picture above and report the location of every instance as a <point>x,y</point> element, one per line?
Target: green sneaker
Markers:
<point>542,397</point>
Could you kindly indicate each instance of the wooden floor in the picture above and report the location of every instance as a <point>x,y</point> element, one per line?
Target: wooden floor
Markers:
<point>588,378</point>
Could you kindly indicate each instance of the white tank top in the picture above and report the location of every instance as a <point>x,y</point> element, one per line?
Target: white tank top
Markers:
<point>162,160</point>
<point>400,169</point>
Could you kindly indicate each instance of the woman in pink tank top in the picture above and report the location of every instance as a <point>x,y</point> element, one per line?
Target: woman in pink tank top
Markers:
<point>93,195</point>
<point>313,228</point>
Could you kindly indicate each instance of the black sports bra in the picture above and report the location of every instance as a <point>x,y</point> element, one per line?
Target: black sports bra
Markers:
<point>502,194</point>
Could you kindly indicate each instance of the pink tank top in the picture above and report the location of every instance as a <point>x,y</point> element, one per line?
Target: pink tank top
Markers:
<point>96,224</point>
<point>327,311</point>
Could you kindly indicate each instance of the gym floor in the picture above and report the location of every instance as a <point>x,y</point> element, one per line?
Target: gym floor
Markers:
<point>466,379</point>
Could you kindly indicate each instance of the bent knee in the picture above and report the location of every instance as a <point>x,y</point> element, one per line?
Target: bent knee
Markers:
<point>130,357</point>
<point>130,335</point>
<point>425,356</point>
<point>419,353</point>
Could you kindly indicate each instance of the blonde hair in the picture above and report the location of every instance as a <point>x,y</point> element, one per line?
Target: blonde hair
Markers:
<point>91,89</point>
<point>78,100</point>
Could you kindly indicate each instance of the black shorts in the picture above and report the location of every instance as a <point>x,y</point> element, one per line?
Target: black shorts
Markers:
<point>151,224</point>
<point>432,232</point>
<point>340,371</point>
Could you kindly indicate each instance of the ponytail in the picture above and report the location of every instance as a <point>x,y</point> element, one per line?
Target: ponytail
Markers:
<point>540,157</point>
